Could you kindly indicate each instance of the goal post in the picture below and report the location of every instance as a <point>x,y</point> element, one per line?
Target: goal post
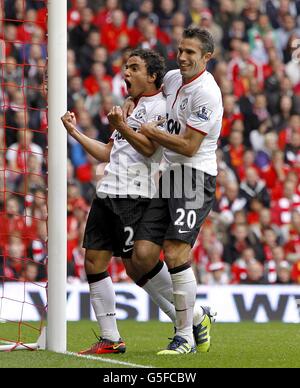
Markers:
<point>57,176</point>
<point>53,337</point>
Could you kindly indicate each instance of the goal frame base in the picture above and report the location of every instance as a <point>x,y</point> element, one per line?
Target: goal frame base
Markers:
<point>40,344</point>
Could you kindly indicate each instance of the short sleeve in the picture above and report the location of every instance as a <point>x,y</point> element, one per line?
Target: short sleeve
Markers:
<point>169,79</point>
<point>158,112</point>
<point>206,112</point>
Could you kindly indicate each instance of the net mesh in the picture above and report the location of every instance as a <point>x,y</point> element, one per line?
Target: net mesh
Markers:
<point>23,169</point>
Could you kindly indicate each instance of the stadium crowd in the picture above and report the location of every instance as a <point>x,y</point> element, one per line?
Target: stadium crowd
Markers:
<point>253,233</point>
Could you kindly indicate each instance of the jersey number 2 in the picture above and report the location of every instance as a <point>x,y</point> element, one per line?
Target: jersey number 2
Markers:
<point>129,241</point>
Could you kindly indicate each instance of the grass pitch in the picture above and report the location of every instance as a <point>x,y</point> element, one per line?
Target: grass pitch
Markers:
<point>242,345</point>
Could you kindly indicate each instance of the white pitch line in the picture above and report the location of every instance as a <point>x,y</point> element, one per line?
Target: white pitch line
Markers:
<point>108,360</point>
<point>97,358</point>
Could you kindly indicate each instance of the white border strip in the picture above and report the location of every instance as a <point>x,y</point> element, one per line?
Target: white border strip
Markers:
<point>108,360</point>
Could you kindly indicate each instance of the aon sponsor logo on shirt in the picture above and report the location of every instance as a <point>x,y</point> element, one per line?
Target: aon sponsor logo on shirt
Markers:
<point>173,126</point>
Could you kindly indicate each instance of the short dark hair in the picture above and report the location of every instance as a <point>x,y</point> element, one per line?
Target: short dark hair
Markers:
<point>206,39</point>
<point>155,64</point>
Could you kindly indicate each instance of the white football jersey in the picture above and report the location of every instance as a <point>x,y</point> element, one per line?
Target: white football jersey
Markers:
<point>197,104</point>
<point>129,173</point>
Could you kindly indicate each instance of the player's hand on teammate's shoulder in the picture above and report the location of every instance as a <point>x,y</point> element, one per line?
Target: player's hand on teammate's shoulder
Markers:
<point>128,107</point>
<point>115,117</point>
<point>69,121</point>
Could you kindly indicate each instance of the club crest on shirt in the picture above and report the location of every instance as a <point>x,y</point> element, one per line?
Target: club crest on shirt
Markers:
<point>158,118</point>
<point>183,105</point>
<point>140,114</point>
<point>204,113</point>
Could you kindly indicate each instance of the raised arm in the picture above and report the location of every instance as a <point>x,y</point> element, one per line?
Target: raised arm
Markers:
<point>98,150</point>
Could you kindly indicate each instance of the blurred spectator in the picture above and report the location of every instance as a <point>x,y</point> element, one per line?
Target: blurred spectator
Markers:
<point>29,272</point>
<point>75,91</point>
<point>79,34</point>
<point>194,9</point>
<point>250,12</point>
<point>284,275</point>
<point>242,68</point>
<point>225,18</point>
<point>284,206</point>
<point>236,32</point>
<point>270,242</point>
<point>74,13</point>
<point>281,119</point>
<point>28,26</point>
<point>145,8</point>
<point>248,163</point>
<point>216,271</point>
<point>104,15</point>
<point>15,10</point>
<point>270,145</point>
<point>254,188</point>
<point>165,12</point>
<point>202,247</point>
<point>84,56</point>
<point>92,84</point>
<point>259,35</point>
<point>292,67</point>
<point>231,114</point>
<point>100,119</point>
<point>11,221</point>
<point>150,39</point>
<point>230,203</point>
<point>275,173</point>
<point>239,240</point>
<point>239,265</point>
<point>234,151</point>
<point>276,9</point>
<point>254,273</point>
<point>112,30</point>
<point>292,150</point>
<point>292,246</point>
<point>288,27</point>
<point>18,153</point>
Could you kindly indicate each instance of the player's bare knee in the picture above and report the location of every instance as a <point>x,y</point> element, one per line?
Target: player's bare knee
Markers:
<point>171,258</point>
<point>96,261</point>
<point>176,253</point>
<point>145,256</point>
<point>140,254</point>
<point>90,257</point>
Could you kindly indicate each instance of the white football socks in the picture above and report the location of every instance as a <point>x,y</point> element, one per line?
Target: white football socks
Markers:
<point>103,299</point>
<point>185,291</point>
<point>160,289</point>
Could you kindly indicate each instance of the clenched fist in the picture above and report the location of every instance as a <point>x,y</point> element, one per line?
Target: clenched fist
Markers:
<point>115,117</point>
<point>69,122</point>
